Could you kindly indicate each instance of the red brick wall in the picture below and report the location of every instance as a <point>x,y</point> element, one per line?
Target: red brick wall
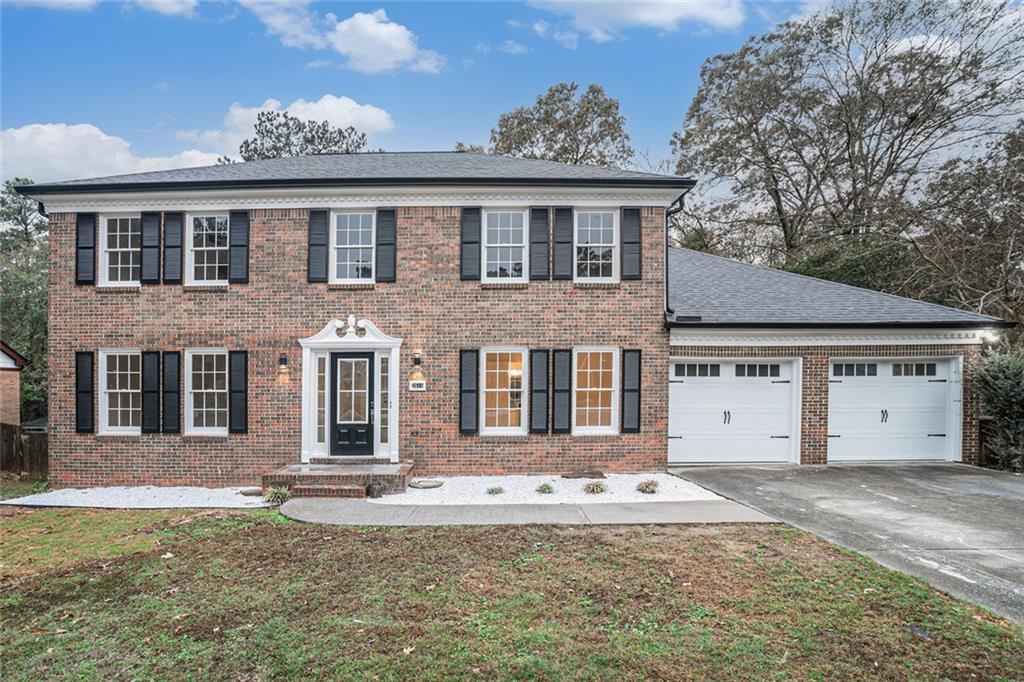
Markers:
<point>429,307</point>
<point>814,385</point>
<point>10,396</point>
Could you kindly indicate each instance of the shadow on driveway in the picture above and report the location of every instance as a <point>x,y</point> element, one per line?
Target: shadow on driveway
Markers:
<point>959,527</point>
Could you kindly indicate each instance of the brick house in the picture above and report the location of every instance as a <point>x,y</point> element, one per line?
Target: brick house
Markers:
<point>11,364</point>
<point>460,314</point>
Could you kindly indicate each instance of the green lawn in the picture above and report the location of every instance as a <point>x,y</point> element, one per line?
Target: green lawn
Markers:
<point>183,595</point>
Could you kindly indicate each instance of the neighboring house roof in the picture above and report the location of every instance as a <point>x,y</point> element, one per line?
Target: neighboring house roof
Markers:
<point>10,358</point>
<point>712,291</point>
<point>370,168</point>
<point>38,424</point>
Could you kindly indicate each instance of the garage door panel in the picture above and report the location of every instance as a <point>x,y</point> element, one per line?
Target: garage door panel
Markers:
<point>730,418</point>
<point>899,414</point>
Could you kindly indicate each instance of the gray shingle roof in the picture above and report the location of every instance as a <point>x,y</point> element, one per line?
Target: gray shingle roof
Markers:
<point>728,293</point>
<point>385,168</point>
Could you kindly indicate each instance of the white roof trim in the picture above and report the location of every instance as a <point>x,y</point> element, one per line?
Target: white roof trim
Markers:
<point>356,197</point>
<point>328,338</point>
<point>830,337</point>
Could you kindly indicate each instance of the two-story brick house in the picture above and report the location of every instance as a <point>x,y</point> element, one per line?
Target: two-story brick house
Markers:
<point>462,313</point>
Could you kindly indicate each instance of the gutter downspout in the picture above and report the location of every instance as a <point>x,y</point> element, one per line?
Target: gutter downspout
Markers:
<point>674,208</point>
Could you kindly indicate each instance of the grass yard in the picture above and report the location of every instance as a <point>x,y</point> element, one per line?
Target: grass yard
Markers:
<point>248,595</point>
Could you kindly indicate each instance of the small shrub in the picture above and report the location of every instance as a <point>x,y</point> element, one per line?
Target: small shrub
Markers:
<point>594,488</point>
<point>277,496</point>
<point>648,487</point>
<point>545,489</point>
<point>375,487</point>
<point>42,486</point>
<point>999,379</point>
<point>496,490</point>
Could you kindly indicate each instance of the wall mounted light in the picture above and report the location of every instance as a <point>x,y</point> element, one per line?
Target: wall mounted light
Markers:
<point>283,373</point>
<point>417,382</point>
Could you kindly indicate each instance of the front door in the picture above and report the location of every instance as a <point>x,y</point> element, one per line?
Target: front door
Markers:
<point>351,404</point>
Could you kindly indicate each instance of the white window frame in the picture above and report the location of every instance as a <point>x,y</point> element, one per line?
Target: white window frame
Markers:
<point>612,430</point>
<point>482,381</point>
<point>105,427</point>
<point>104,253</point>
<point>190,278</point>
<point>205,430</point>
<point>332,254</point>
<point>484,245</point>
<point>616,247</point>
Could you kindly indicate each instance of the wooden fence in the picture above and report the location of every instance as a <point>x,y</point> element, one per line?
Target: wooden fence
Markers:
<point>23,453</point>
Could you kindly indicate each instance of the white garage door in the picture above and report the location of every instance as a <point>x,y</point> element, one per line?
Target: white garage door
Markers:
<point>889,410</point>
<point>736,411</point>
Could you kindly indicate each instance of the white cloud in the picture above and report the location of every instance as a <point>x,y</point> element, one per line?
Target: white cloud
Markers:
<point>56,4</point>
<point>512,47</point>
<point>48,152</point>
<point>540,27</point>
<point>567,39</point>
<point>602,21</point>
<point>240,120</point>
<point>319,64</point>
<point>372,43</point>
<point>293,22</point>
<point>170,7</point>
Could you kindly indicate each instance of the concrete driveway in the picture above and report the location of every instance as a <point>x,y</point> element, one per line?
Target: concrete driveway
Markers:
<point>960,528</point>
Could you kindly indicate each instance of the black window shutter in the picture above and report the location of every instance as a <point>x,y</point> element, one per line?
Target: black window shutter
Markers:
<point>631,391</point>
<point>387,228</point>
<point>631,238</point>
<point>539,391</point>
<point>150,270</point>
<point>151,392</point>
<point>84,397</point>
<point>238,391</point>
<point>540,233</point>
<point>564,256</point>
<point>85,249</point>
<point>469,401</point>
<point>561,391</point>
<point>470,260</point>
<point>238,247</point>
<point>319,234</point>
<point>174,224</point>
<point>172,391</point>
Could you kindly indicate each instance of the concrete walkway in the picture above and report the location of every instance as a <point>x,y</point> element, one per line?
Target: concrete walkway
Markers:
<point>958,527</point>
<point>341,512</point>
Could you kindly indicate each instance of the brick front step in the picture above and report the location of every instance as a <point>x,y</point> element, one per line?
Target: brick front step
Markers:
<point>318,490</point>
<point>395,476</point>
<point>344,461</point>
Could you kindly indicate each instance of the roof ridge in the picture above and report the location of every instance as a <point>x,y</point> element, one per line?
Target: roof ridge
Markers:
<point>837,284</point>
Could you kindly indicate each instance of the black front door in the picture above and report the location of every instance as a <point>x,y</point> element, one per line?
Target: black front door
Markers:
<point>352,403</point>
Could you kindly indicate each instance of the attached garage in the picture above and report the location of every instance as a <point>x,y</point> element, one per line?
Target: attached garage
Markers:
<point>733,411</point>
<point>892,410</point>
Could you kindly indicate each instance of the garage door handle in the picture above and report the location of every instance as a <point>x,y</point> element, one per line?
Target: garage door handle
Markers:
<point>778,436</point>
<point>936,435</point>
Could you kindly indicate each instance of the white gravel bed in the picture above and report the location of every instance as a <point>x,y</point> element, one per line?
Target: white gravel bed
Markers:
<point>523,490</point>
<point>142,497</point>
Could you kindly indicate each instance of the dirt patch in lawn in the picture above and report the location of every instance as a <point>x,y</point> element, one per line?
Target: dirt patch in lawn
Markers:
<point>248,596</point>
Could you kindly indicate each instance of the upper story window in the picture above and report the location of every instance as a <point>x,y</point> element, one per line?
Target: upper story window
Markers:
<point>207,241</point>
<point>352,239</point>
<point>504,387</point>
<point>206,392</point>
<point>120,391</point>
<point>120,254</point>
<point>595,389</point>
<point>596,238</point>
<point>504,246</point>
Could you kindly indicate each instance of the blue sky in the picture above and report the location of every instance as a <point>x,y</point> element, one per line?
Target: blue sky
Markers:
<point>94,88</point>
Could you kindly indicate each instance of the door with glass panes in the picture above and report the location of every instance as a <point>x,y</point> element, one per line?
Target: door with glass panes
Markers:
<point>351,413</point>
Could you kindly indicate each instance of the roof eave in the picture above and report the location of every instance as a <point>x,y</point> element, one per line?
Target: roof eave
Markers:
<point>976,324</point>
<point>58,188</point>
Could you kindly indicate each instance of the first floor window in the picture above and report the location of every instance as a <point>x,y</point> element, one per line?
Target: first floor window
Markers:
<point>206,391</point>
<point>504,245</point>
<point>504,409</point>
<point>353,247</point>
<point>595,246</point>
<point>120,391</point>
<point>208,249</point>
<point>122,256</point>
<point>595,387</point>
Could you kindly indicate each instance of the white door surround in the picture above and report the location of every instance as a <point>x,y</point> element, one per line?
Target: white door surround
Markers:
<point>350,336</point>
<point>733,410</point>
